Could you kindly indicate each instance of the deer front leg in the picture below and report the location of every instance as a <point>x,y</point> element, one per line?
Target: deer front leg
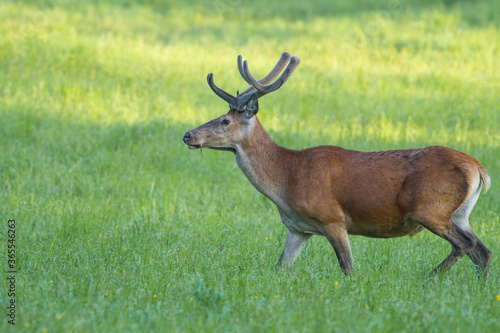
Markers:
<point>293,245</point>
<point>337,236</point>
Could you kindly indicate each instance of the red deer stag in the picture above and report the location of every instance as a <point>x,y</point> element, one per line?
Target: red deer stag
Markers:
<point>334,192</point>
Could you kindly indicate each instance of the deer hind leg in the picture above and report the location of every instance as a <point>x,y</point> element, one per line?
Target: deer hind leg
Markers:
<point>462,241</point>
<point>480,255</point>
<point>293,246</point>
<point>337,236</point>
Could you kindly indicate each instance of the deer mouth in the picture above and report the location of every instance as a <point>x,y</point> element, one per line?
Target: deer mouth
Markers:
<point>193,146</point>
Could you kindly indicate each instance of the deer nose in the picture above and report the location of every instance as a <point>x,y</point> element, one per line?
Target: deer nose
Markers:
<point>186,137</point>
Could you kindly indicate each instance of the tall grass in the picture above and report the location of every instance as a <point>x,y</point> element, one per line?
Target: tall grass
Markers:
<point>121,228</point>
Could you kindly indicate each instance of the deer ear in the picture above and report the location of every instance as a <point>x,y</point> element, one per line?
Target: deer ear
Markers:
<point>252,107</point>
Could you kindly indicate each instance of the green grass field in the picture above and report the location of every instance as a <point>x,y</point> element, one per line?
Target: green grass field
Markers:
<point>120,228</point>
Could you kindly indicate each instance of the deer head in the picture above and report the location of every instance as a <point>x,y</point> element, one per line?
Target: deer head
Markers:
<point>228,130</point>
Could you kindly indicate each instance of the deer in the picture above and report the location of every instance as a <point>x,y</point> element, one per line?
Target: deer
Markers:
<point>335,192</point>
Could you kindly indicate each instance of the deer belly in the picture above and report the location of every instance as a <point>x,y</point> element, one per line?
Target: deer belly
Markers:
<point>382,229</point>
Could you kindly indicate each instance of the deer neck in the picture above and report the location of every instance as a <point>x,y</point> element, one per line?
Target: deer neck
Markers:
<point>263,162</point>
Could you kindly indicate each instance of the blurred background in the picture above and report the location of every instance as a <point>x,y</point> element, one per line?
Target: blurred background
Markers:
<point>121,227</point>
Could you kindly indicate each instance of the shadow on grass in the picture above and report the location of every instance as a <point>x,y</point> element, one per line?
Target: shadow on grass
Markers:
<point>63,156</point>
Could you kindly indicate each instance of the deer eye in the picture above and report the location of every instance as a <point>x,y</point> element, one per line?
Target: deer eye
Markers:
<point>225,121</point>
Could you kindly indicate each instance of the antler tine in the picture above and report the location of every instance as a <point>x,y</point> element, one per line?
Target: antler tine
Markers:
<point>240,69</point>
<point>285,56</point>
<point>219,92</point>
<point>292,65</point>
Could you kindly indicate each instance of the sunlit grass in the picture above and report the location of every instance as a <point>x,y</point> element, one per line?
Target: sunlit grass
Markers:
<point>121,228</point>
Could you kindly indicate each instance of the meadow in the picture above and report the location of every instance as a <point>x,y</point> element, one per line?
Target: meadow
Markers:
<point>121,228</point>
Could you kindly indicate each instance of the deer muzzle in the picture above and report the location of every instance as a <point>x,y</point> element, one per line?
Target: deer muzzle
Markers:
<point>187,140</point>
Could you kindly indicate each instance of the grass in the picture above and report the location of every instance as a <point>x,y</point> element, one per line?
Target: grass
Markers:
<point>121,229</point>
